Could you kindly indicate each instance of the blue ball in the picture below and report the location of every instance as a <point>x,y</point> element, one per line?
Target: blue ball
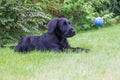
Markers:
<point>99,21</point>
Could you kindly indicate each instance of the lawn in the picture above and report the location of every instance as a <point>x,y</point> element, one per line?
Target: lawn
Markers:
<point>101,63</point>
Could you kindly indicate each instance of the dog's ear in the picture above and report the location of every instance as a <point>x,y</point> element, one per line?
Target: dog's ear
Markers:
<point>52,25</point>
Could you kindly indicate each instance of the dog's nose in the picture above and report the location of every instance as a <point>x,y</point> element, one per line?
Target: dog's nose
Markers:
<point>73,31</point>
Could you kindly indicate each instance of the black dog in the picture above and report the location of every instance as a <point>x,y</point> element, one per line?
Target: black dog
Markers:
<point>55,39</point>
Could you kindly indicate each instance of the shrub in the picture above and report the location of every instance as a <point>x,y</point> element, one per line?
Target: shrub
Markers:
<point>82,12</point>
<point>21,17</point>
<point>18,18</point>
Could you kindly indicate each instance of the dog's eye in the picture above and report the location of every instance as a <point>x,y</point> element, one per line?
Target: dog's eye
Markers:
<point>68,22</point>
<point>64,23</point>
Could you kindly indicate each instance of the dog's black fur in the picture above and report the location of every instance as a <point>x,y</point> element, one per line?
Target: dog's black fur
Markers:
<point>55,39</point>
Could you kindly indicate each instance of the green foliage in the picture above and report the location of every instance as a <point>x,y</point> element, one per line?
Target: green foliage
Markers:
<point>111,5</point>
<point>82,12</point>
<point>21,17</point>
<point>108,11</point>
<point>109,18</point>
<point>18,18</point>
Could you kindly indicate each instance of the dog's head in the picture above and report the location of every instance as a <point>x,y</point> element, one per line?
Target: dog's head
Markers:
<point>61,27</point>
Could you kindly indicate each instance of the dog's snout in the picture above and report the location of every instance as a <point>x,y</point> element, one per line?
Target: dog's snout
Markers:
<point>73,31</point>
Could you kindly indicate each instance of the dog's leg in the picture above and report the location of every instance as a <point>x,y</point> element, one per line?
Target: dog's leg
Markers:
<point>78,49</point>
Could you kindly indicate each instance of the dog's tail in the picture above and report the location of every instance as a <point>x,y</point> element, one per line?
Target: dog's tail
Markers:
<point>3,46</point>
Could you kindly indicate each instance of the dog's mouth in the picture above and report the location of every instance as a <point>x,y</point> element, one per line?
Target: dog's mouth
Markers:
<point>70,33</point>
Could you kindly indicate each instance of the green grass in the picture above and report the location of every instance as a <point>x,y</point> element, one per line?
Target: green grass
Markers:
<point>101,63</point>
